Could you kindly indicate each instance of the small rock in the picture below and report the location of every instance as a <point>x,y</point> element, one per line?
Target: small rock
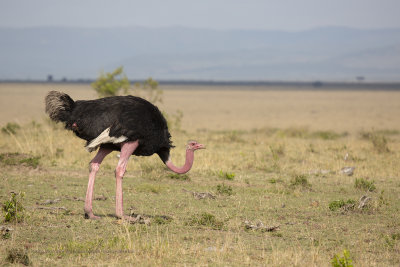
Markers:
<point>203,195</point>
<point>260,226</point>
<point>347,170</point>
<point>200,195</point>
<point>5,229</point>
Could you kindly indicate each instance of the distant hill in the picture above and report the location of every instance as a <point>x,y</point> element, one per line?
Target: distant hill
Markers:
<point>331,53</point>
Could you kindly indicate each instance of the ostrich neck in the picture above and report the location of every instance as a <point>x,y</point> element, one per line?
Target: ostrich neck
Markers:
<point>185,168</point>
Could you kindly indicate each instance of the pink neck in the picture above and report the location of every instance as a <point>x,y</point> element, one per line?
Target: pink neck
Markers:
<point>185,168</point>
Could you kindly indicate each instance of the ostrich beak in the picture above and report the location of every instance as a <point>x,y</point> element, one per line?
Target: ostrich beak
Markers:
<point>200,146</point>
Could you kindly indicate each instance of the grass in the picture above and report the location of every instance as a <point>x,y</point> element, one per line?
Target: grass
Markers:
<point>339,204</point>
<point>19,159</point>
<point>364,184</point>
<point>300,181</point>
<point>226,175</point>
<point>206,219</point>
<point>278,180</point>
<point>10,128</point>
<point>18,255</point>
<point>223,189</point>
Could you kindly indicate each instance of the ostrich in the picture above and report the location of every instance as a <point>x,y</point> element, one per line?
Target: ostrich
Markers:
<point>128,124</point>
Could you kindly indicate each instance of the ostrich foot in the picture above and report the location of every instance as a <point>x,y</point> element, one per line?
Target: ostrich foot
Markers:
<point>91,216</point>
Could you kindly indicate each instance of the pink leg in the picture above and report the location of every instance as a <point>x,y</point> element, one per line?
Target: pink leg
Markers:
<point>126,150</point>
<point>94,166</point>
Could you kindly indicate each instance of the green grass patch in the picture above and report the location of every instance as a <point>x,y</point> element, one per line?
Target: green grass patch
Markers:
<point>10,128</point>
<point>300,180</point>
<point>19,159</point>
<point>378,140</point>
<point>18,256</point>
<point>181,177</point>
<point>151,188</point>
<point>327,135</point>
<point>226,175</point>
<point>159,219</point>
<point>223,189</point>
<point>364,184</point>
<point>206,219</point>
<point>339,204</point>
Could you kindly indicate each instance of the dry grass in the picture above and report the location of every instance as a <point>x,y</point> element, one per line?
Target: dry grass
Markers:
<point>282,152</point>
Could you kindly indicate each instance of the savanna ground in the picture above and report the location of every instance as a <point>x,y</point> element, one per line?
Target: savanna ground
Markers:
<point>272,171</point>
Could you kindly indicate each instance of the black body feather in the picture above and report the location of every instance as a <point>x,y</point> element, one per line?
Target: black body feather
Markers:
<point>129,116</point>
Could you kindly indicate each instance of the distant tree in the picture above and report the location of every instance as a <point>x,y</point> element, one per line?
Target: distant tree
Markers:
<point>317,84</point>
<point>360,78</point>
<point>49,78</point>
<point>111,83</point>
<point>149,90</point>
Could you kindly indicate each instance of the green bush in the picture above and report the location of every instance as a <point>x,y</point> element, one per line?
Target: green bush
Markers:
<point>338,204</point>
<point>344,261</point>
<point>223,189</point>
<point>110,84</point>
<point>206,219</point>
<point>300,180</point>
<point>13,209</point>
<point>226,175</point>
<point>149,90</point>
<point>18,255</point>
<point>365,184</point>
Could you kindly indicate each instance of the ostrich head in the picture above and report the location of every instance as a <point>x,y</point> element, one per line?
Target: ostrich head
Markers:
<point>190,148</point>
<point>193,145</point>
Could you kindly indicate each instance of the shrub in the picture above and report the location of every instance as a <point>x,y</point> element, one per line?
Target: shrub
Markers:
<point>365,184</point>
<point>13,209</point>
<point>206,219</point>
<point>338,204</point>
<point>149,90</point>
<point>300,180</point>
<point>18,255</point>
<point>110,84</point>
<point>344,261</point>
<point>226,175</point>
<point>223,189</point>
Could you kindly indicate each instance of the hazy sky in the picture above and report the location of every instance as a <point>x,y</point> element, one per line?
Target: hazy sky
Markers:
<point>212,14</point>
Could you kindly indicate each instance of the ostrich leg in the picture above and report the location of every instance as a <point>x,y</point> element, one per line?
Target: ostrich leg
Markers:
<point>94,166</point>
<point>126,150</point>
